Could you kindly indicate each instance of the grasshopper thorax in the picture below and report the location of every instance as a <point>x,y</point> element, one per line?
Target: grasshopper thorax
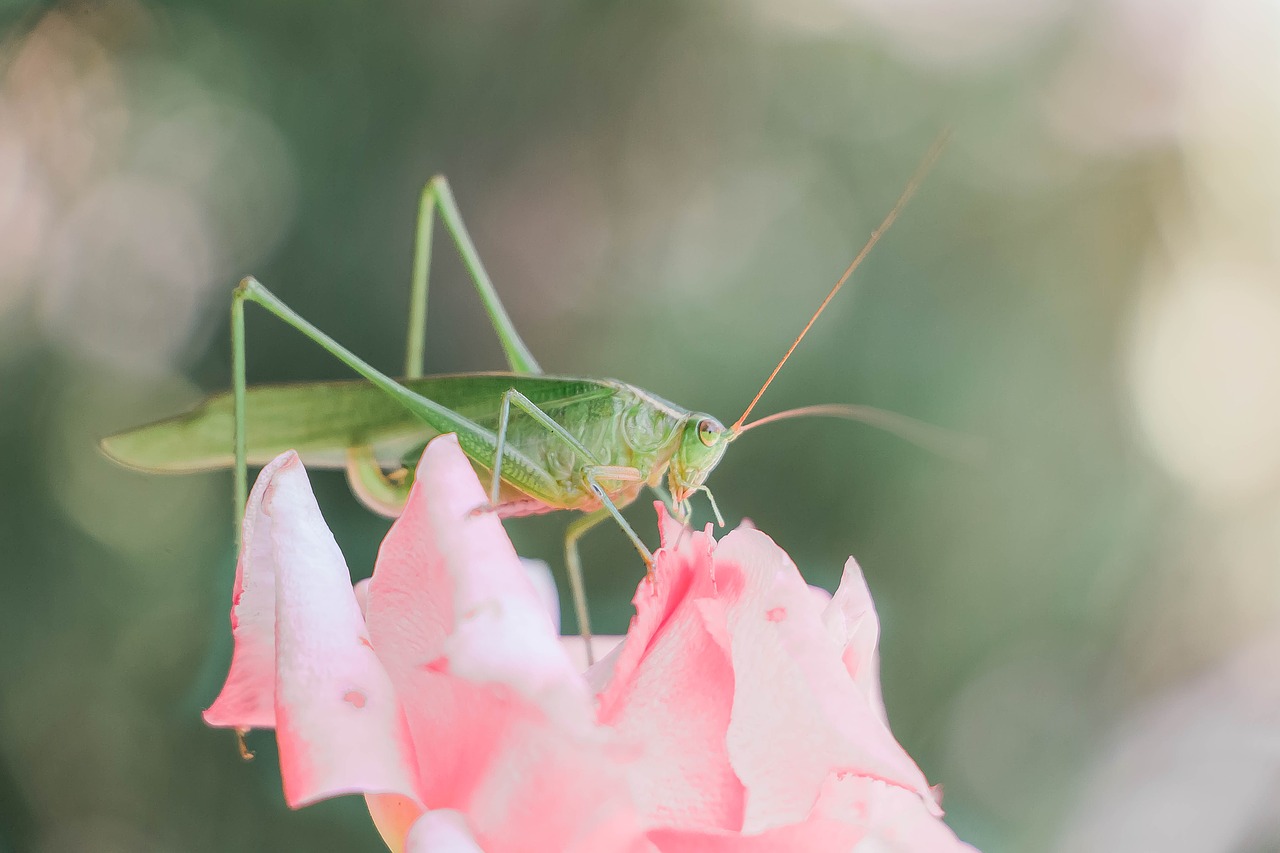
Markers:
<point>703,440</point>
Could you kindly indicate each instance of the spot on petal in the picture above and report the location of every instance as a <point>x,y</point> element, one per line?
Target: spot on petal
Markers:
<point>777,614</point>
<point>355,698</point>
<point>491,606</point>
<point>440,664</point>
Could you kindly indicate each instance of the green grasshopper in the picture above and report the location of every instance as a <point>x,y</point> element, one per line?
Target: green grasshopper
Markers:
<point>546,443</point>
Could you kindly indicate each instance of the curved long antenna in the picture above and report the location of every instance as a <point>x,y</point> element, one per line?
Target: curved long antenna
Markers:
<point>932,438</point>
<point>912,185</point>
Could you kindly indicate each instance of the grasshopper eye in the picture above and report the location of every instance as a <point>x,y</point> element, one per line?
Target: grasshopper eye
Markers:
<point>708,431</point>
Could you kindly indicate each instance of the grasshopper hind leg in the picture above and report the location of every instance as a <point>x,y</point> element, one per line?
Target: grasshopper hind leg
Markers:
<point>437,197</point>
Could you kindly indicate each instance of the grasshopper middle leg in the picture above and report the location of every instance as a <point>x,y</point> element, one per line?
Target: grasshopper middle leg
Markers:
<point>592,472</point>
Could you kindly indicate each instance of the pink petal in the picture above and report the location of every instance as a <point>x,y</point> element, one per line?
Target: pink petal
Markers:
<point>671,533</point>
<point>362,596</point>
<point>446,577</point>
<point>851,621</point>
<point>338,723</point>
<point>601,647</point>
<point>502,722</point>
<point>441,831</point>
<point>672,688</point>
<point>393,815</point>
<point>811,836</point>
<point>894,819</point>
<point>248,698</point>
<point>797,715</point>
<point>539,574</point>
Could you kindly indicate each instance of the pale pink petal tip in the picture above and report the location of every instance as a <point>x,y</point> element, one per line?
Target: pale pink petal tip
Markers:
<point>441,831</point>
<point>670,531</point>
<point>601,647</point>
<point>539,574</point>
<point>247,699</point>
<point>362,595</point>
<point>851,620</point>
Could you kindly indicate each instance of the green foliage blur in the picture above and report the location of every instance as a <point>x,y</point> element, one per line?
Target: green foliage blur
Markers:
<point>662,193</point>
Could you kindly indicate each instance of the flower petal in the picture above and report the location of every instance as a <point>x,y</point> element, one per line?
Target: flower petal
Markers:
<point>248,697</point>
<point>441,831</point>
<point>671,691</point>
<point>447,576</point>
<point>894,819</point>
<point>671,532</point>
<point>602,646</point>
<point>502,722</point>
<point>797,714</point>
<point>540,577</point>
<point>851,620</point>
<point>393,815</point>
<point>819,835</point>
<point>337,721</point>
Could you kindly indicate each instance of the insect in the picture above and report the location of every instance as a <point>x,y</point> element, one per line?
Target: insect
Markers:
<point>546,443</point>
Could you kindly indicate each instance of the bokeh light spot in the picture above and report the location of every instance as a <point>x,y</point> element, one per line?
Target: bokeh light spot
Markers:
<point>1205,375</point>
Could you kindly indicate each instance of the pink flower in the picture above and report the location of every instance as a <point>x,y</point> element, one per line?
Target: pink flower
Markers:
<point>741,711</point>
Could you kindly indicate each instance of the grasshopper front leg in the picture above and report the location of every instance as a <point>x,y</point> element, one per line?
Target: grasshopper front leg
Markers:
<point>573,563</point>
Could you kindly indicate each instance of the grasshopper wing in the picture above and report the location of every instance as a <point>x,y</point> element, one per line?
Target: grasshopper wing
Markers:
<point>321,420</point>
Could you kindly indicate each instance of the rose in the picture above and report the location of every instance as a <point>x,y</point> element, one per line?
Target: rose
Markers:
<point>741,711</point>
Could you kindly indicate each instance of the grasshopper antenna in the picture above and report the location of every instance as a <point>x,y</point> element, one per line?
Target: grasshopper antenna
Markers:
<point>926,164</point>
<point>945,443</point>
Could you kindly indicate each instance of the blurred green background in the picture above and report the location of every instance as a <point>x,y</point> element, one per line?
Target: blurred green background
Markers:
<point>1081,630</point>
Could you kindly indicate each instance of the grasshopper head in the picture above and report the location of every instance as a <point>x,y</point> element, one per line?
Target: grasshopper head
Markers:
<point>703,440</point>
